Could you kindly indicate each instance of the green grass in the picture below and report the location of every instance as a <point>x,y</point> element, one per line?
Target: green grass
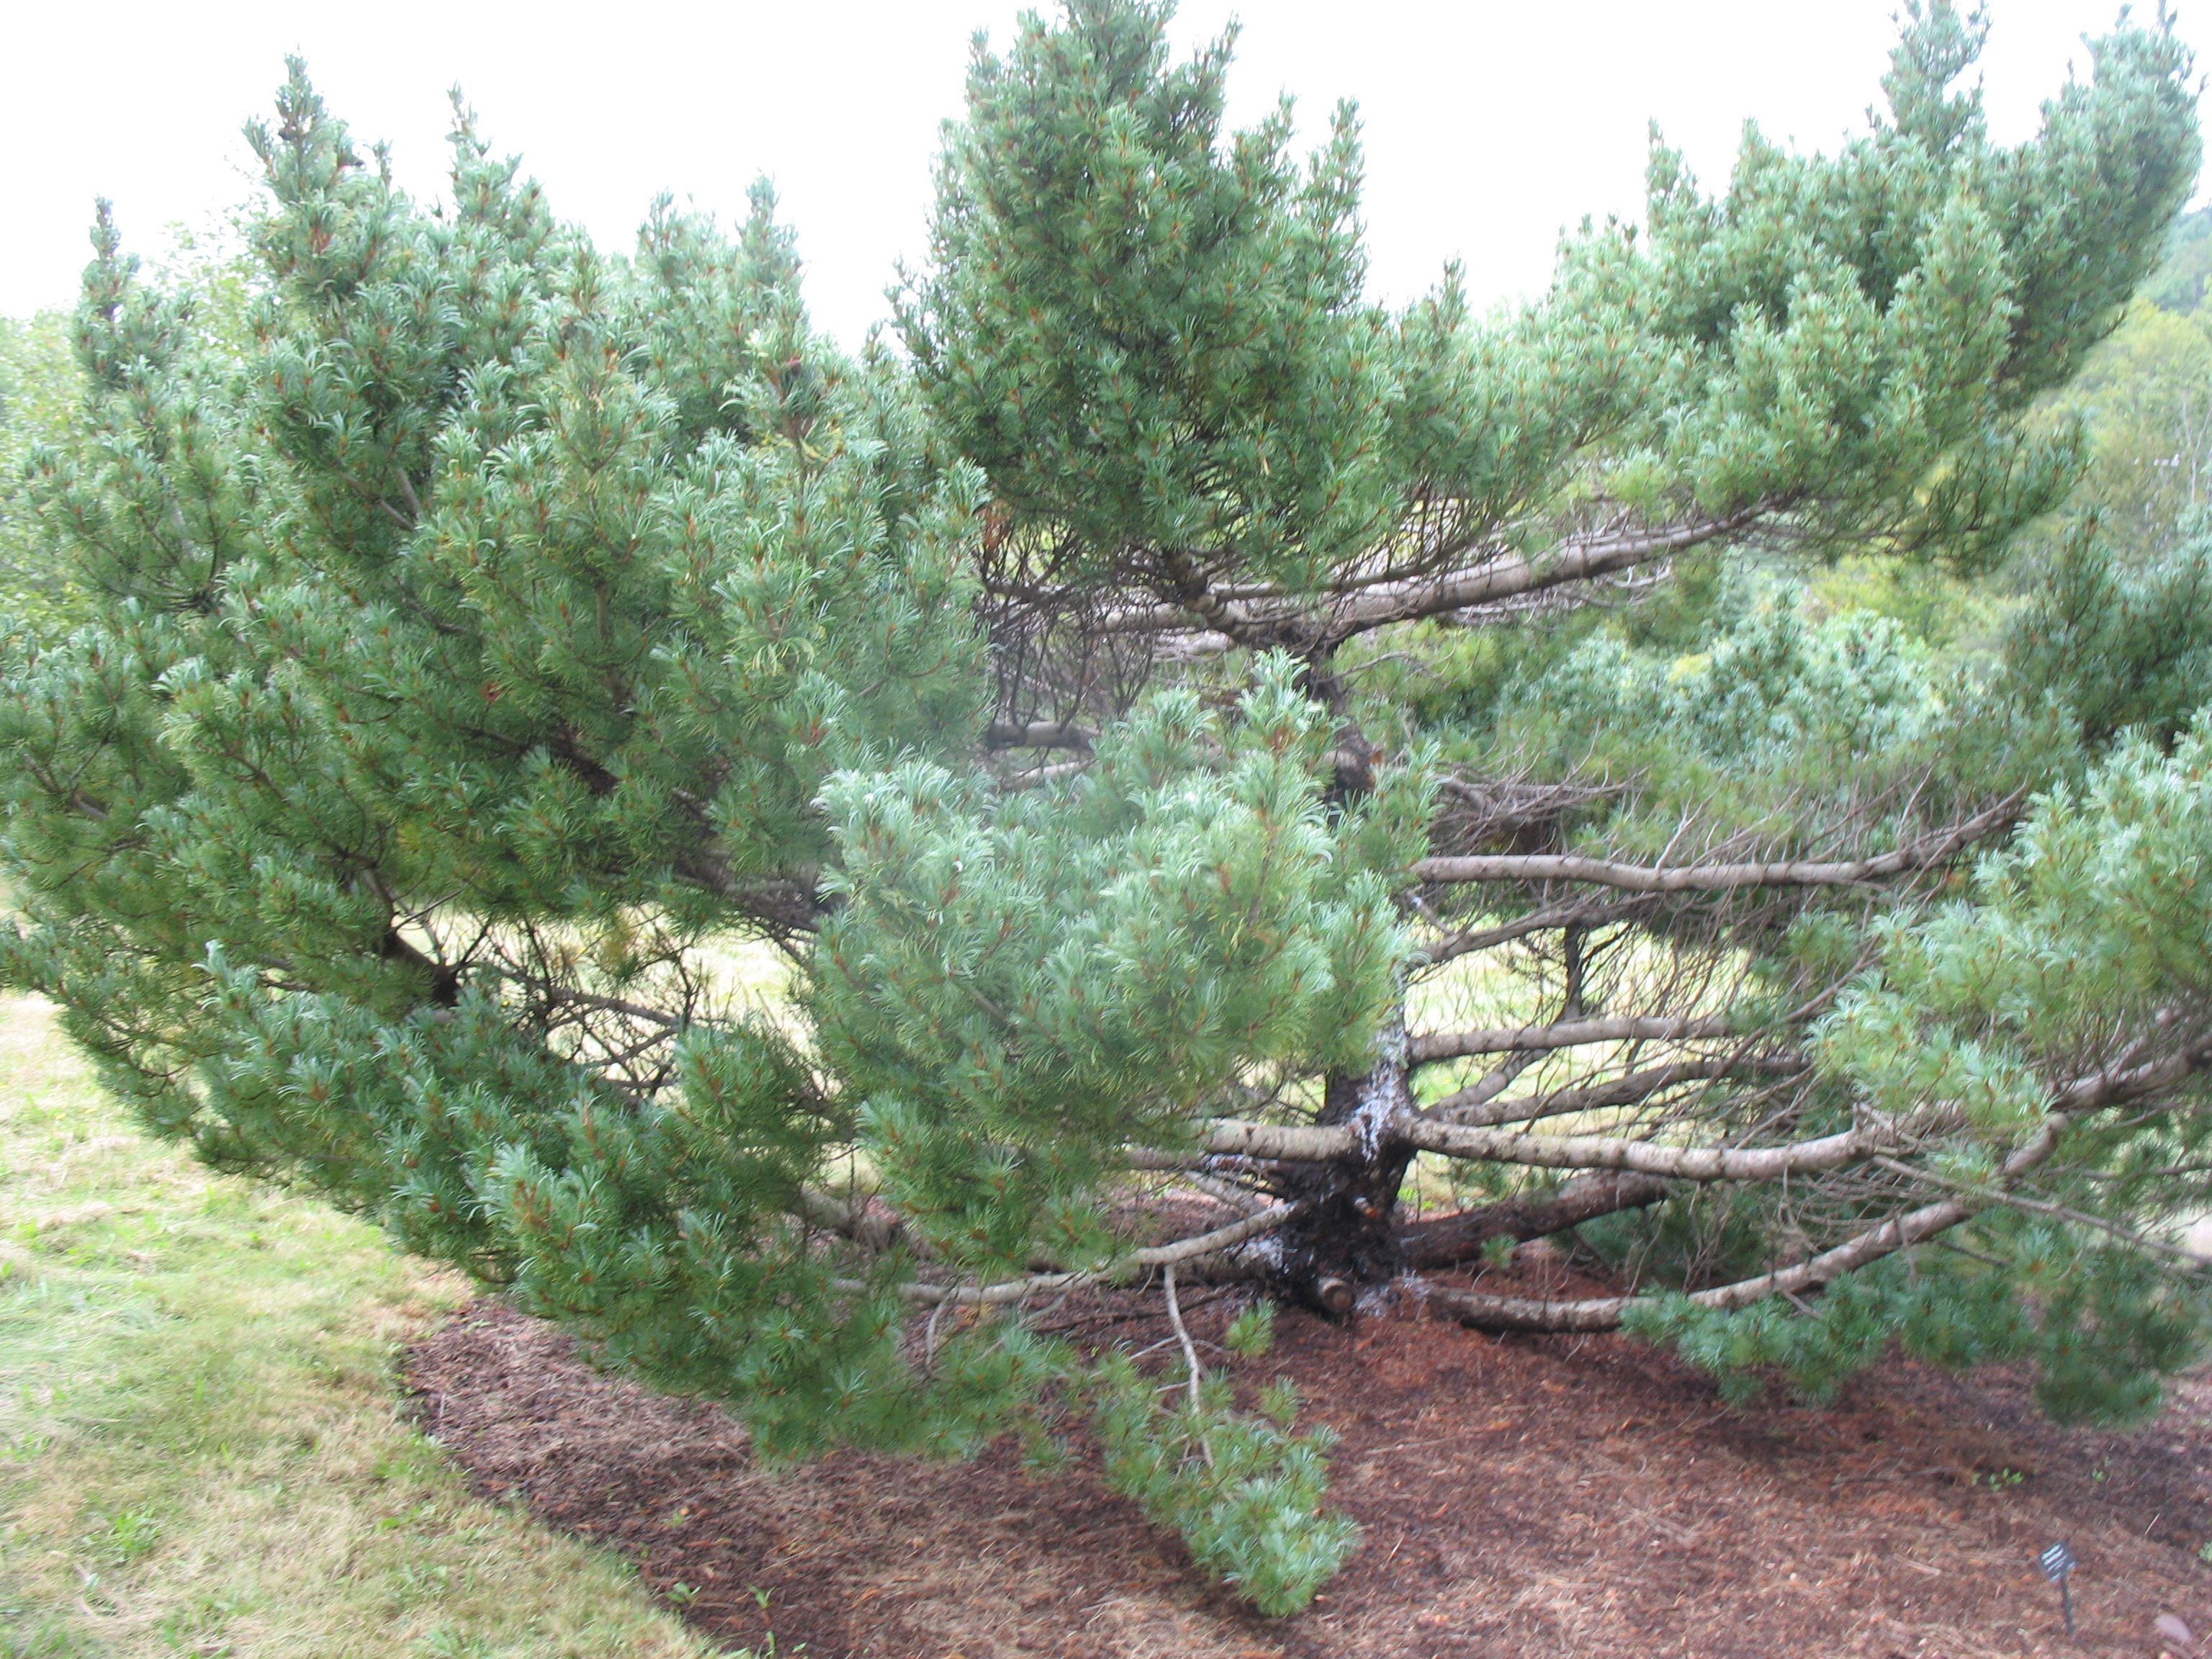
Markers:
<point>202,1449</point>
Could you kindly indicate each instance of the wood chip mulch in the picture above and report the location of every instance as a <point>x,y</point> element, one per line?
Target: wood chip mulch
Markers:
<point>1520,1496</point>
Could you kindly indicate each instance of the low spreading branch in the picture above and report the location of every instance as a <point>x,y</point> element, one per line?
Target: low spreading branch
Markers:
<point>1719,877</point>
<point>1037,777</point>
<point>2112,1086</point>
<point>1158,1255</point>
<point>781,905</point>
<point>2127,1235</point>
<point>1445,1240</point>
<point>1834,1152</point>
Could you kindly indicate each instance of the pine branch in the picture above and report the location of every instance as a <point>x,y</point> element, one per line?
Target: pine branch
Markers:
<point>1268,615</point>
<point>1834,1152</point>
<point>1157,1255</point>
<point>1432,1047</point>
<point>2039,1206</point>
<point>1182,1336</point>
<point>1447,1240</point>
<point>1583,912</point>
<point>1037,777</point>
<point>782,904</point>
<point>1719,877</point>
<point>1470,1107</point>
<point>2075,1100</point>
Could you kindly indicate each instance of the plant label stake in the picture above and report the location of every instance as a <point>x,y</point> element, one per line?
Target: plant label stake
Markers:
<point>2057,1561</point>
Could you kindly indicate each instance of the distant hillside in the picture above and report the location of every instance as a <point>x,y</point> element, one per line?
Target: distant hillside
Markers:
<point>2178,285</point>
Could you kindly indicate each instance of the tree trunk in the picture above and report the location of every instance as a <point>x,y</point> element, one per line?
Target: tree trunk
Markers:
<point>1345,1237</point>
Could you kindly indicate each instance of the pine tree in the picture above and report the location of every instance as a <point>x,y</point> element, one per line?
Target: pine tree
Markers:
<point>1177,716</point>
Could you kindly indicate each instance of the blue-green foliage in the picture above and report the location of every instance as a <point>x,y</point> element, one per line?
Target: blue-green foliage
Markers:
<point>1020,983</point>
<point>1769,724</point>
<point>1150,332</point>
<point>509,593</point>
<point>2097,917</point>
<point>1765,685</point>
<point>1244,1491</point>
<point>1144,329</point>
<point>1937,1312</point>
<point>2099,1326</point>
<point>487,644</point>
<point>2095,920</point>
<point>507,634</point>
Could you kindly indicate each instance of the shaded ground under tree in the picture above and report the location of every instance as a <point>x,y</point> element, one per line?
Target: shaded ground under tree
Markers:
<point>1520,1495</point>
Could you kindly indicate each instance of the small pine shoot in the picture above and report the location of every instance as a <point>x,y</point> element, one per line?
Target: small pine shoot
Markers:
<point>1251,1334</point>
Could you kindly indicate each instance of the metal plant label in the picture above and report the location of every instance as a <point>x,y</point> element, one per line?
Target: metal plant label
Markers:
<point>2057,1561</point>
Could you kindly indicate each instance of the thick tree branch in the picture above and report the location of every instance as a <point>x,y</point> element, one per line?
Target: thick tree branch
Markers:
<point>1649,1157</point>
<point>1288,1143</point>
<point>1447,1240</point>
<point>1159,1255</point>
<point>1579,558</point>
<point>2038,1206</point>
<point>1037,777</point>
<point>782,904</point>
<point>2075,1100</point>
<point>1269,617</point>
<point>1718,877</point>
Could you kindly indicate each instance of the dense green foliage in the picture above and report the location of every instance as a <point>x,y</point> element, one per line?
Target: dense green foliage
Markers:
<point>1242,1489</point>
<point>496,649</point>
<point>2092,916</point>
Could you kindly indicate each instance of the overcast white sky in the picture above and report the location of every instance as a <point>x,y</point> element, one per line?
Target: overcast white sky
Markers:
<point>1488,126</point>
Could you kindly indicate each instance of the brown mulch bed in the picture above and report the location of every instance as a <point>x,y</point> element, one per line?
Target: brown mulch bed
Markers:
<point>1520,1496</point>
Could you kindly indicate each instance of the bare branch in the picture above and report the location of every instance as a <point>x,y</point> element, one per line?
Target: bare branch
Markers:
<point>1645,1158</point>
<point>1511,576</point>
<point>1158,1255</point>
<point>1471,1106</point>
<point>1285,1142</point>
<point>782,905</point>
<point>1442,1241</point>
<point>1716,877</point>
<point>1268,615</point>
<point>1433,1046</point>
<point>562,997</point>
<point>1461,1104</point>
<point>1037,777</point>
<point>2074,1101</point>
<point>2058,1211</point>
<point>1582,912</point>
<point>1223,1192</point>
<point>1183,1336</point>
<point>874,1231</point>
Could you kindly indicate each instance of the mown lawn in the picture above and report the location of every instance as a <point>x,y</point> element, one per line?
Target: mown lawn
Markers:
<point>203,1449</point>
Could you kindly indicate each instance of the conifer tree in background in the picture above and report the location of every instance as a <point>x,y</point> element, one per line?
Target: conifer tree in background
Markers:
<point>38,400</point>
<point>1180,717</point>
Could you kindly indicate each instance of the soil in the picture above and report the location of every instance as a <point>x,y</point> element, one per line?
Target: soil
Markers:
<point>1520,1496</point>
